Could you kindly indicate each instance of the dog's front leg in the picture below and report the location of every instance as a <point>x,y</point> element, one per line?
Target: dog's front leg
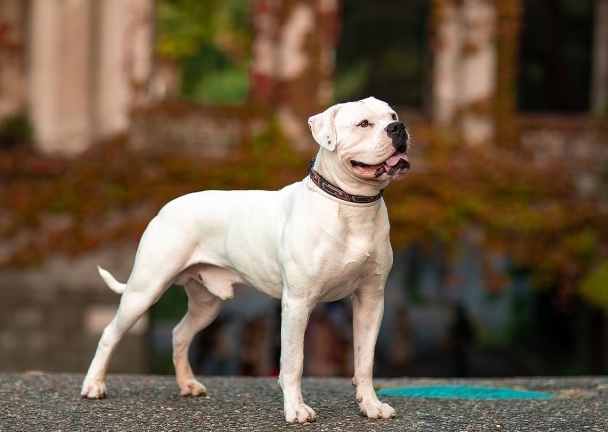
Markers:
<point>368,308</point>
<point>294,319</point>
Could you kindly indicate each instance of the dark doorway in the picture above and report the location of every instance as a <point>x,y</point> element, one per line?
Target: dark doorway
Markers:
<point>382,51</point>
<point>555,56</point>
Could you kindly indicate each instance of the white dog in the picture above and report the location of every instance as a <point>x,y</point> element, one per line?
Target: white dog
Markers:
<point>318,240</point>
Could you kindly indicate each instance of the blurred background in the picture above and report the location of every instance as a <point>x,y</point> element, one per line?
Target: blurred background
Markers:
<point>111,108</point>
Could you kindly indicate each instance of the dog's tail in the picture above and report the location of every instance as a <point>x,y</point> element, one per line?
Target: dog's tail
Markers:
<point>114,285</point>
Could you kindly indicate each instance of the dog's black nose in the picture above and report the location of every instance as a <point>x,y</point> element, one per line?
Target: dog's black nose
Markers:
<point>396,128</point>
<point>397,132</point>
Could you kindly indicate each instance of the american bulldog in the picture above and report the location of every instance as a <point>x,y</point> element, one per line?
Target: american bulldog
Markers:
<point>317,240</point>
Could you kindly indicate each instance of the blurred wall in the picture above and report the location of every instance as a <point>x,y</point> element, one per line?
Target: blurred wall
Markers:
<point>51,318</point>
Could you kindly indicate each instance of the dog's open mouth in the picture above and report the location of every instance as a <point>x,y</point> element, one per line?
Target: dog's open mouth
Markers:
<point>398,161</point>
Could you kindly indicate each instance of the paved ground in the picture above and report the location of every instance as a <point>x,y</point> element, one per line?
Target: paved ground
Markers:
<point>51,402</point>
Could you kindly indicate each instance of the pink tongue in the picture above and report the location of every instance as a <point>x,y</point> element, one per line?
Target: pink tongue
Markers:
<point>395,159</point>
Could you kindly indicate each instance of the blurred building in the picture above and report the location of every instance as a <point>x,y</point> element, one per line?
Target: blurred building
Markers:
<point>80,68</point>
<point>84,70</point>
<point>80,71</point>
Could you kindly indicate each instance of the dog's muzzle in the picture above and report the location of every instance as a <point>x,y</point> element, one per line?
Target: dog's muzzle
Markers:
<point>398,134</point>
<point>401,165</point>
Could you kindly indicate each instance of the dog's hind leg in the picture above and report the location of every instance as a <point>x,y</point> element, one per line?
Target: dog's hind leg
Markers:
<point>136,300</point>
<point>203,307</point>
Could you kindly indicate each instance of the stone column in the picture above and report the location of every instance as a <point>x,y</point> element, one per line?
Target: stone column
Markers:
<point>447,53</point>
<point>599,83</point>
<point>44,61</point>
<point>60,65</point>
<point>89,66</point>
<point>123,62</point>
<point>75,101</point>
<point>293,61</point>
<point>111,87</point>
<point>263,65</point>
<point>464,79</point>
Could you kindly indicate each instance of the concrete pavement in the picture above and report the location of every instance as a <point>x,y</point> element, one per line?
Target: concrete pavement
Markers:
<point>51,402</point>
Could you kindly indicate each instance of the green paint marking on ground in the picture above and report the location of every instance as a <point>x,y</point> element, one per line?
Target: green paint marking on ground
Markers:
<point>464,392</point>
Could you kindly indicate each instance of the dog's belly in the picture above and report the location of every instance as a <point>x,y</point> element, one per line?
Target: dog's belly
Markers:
<point>219,281</point>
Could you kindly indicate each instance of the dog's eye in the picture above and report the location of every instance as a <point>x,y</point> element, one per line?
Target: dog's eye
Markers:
<point>363,123</point>
<point>394,116</point>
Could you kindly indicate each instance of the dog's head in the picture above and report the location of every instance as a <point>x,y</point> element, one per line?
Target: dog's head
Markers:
<point>369,141</point>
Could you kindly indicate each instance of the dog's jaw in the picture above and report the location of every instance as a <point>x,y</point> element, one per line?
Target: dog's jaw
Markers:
<point>339,172</point>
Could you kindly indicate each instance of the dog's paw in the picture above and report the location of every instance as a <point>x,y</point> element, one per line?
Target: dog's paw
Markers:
<point>93,390</point>
<point>192,387</point>
<point>377,410</point>
<point>301,413</point>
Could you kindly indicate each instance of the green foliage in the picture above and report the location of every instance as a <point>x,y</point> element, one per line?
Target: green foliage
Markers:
<point>183,27</point>
<point>209,40</point>
<point>115,192</point>
<point>271,136</point>
<point>173,304</point>
<point>228,86</point>
<point>63,201</point>
<point>351,81</point>
<point>15,129</point>
<point>594,287</point>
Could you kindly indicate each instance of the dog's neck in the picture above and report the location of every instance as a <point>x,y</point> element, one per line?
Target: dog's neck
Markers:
<point>329,167</point>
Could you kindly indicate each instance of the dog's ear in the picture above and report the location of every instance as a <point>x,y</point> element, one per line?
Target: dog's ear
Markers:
<point>323,128</point>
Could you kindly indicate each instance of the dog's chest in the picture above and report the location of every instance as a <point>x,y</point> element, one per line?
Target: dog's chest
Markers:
<point>329,249</point>
<point>357,249</point>
<point>355,238</point>
<point>344,256</point>
<point>343,267</point>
